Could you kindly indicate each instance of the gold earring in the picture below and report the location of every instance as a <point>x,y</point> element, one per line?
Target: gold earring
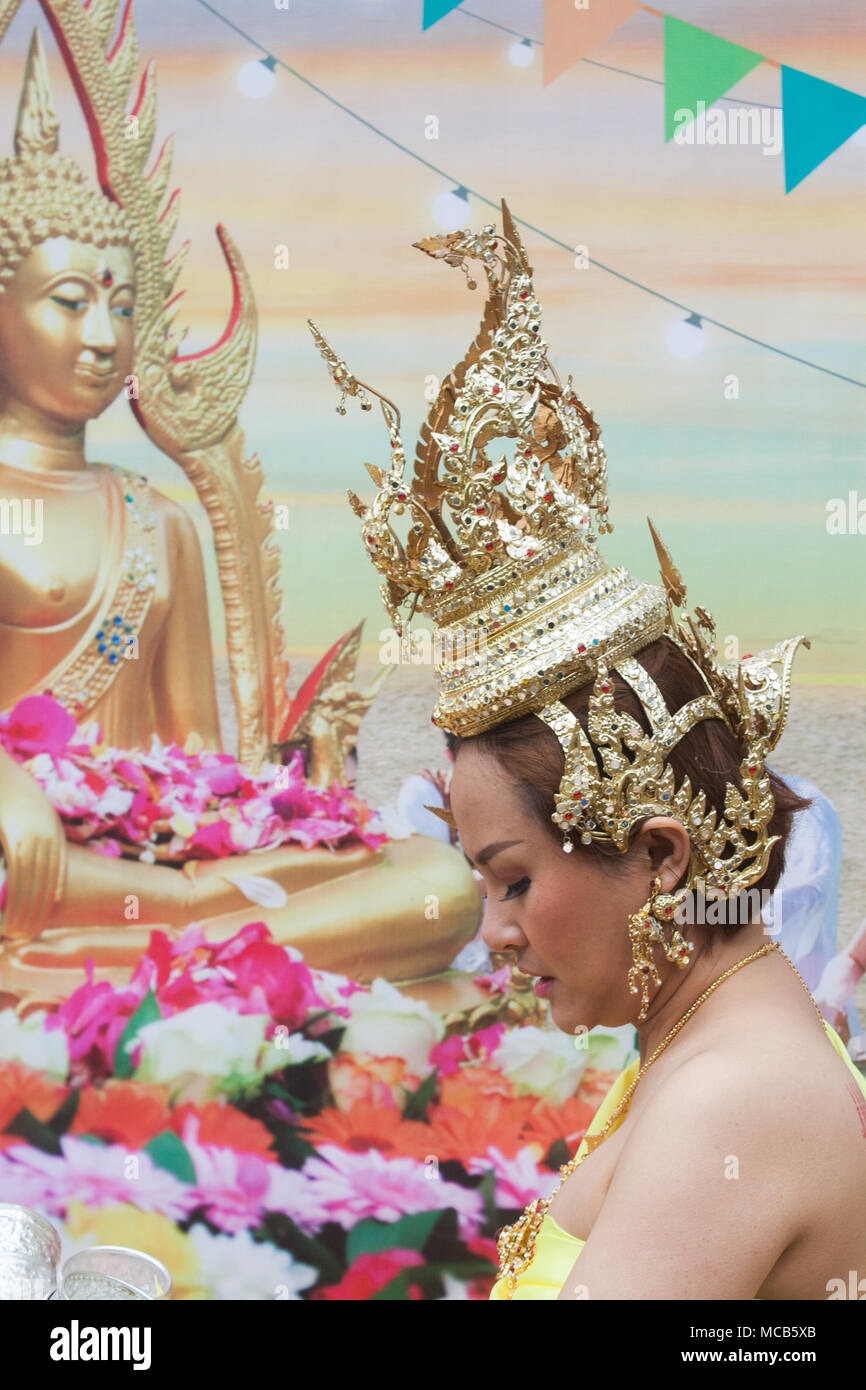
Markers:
<point>645,929</point>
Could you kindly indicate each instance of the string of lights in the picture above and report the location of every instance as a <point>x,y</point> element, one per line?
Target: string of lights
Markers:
<point>451,208</point>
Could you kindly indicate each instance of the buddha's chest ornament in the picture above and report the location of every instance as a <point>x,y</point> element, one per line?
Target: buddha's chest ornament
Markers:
<point>113,635</point>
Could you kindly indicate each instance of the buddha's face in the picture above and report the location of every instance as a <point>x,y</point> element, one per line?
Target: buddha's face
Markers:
<point>66,329</point>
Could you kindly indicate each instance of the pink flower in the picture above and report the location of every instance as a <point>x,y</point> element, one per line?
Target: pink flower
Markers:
<point>485,1042</point>
<point>287,985</point>
<point>466,1047</point>
<point>97,1175</point>
<point>519,1180</point>
<point>498,982</point>
<point>38,724</point>
<point>232,1187</point>
<point>94,1017</point>
<point>220,771</point>
<point>448,1054</point>
<point>355,1186</point>
<point>214,841</point>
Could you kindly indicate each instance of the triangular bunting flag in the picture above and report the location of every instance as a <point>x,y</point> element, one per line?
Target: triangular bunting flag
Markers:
<point>699,67</point>
<point>570,32</point>
<point>817,118</point>
<point>438,9</point>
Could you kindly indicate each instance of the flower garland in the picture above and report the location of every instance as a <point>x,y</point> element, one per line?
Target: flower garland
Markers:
<point>271,1131</point>
<point>173,804</point>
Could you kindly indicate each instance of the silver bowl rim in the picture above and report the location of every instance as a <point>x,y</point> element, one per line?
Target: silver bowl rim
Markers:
<point>156,1266</point>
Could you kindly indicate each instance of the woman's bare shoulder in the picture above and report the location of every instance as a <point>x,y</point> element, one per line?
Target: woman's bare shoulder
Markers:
<point>769,1083</point>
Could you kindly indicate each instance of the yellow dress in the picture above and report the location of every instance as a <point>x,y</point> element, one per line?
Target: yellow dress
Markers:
<point>556,1250</point>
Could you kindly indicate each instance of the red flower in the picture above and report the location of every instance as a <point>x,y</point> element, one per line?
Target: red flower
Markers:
<point>370,1273</point>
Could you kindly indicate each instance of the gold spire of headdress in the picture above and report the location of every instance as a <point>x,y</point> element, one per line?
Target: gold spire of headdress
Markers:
<point>527,609</point>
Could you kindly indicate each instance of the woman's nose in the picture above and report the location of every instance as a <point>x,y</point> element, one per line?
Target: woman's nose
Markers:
<point>497,932</point>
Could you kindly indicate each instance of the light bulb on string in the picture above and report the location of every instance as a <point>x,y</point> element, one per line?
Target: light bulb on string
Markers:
<point>256,78</point>
<point>520,54</point>
<point>451,210</point>
<point>686,339</point>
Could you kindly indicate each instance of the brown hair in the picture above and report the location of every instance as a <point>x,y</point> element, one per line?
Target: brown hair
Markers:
<point>529,752</point>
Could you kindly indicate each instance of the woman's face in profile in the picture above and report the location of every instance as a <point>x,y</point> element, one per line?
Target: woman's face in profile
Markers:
<point>567,918</point>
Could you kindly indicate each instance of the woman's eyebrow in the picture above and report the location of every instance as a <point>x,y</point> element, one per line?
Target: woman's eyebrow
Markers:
<point>496,848</point>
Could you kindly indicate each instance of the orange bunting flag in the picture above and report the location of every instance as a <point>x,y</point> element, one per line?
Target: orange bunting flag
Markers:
<point>572,30</point>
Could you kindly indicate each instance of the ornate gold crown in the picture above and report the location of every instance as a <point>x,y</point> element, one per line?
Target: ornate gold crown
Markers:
<point>527,609</point>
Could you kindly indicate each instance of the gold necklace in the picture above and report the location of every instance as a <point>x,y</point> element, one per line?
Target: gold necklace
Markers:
<point>516,1244</point>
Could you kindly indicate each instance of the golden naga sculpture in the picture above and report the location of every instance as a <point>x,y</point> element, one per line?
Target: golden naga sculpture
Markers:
<point>87,296</point>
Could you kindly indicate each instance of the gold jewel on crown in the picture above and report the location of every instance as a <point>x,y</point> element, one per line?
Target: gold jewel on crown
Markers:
<point>525,606</point>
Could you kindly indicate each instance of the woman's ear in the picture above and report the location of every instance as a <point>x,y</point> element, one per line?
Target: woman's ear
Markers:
<point>666,849</point>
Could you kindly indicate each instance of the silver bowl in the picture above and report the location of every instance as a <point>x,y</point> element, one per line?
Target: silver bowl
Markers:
<point>29,1254</point>
<point>106,1272</point>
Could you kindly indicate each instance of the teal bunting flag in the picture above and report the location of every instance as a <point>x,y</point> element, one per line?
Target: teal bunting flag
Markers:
<point>817,118</point>
<point>437,9</point>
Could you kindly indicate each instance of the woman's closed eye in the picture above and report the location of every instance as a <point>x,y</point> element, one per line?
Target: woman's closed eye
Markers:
<point>516,889</point>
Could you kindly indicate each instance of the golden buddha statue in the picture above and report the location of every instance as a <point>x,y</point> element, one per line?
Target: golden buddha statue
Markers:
<point>103,601</point>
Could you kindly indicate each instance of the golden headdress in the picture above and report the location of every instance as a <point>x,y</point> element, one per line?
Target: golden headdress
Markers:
<point>527,609</point>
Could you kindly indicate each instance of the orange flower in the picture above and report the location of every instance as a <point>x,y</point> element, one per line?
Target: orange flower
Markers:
<point>367,1126</point>
<point>122,1112</point>
<point>20,1089</point>
<point>594,1086</point>
<point>227,1127</point>
<point>568,1121</point>
<point>466,1086</point>
<point>379,1080</point>
<point>464,1134</point>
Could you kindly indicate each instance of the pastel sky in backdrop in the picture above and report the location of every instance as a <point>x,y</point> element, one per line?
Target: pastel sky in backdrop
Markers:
<point>739,488</point>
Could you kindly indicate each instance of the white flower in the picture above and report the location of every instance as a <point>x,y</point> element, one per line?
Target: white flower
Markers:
<point>386,1023</point>
<point>238,1267</point>
<point>541,1061</point>
<point>27,1040</point>
<point>114,801</point>
<point>288,1049</point>
<point>610,1049</point>
<point>456,1290</point>
<point>206,1041</point>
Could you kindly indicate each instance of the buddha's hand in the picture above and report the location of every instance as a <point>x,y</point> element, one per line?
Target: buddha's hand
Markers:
<point>34,848</point>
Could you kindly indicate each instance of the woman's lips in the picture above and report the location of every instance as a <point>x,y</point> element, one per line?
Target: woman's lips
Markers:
<point>543,985</point>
